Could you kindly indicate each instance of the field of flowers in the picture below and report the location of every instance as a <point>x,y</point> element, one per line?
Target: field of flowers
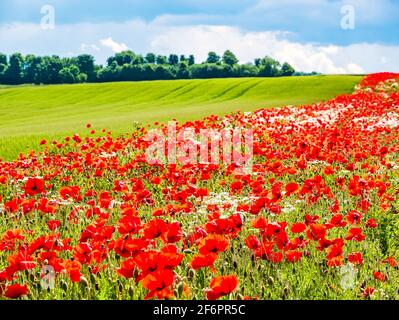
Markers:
<point>317,218</point>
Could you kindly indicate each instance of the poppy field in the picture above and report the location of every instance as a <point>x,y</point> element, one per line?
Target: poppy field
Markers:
<point>317,217</point>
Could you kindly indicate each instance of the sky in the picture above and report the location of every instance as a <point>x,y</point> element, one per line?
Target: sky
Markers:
<point>327,36</point>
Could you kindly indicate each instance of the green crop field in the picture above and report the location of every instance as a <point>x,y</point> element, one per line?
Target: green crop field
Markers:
<point>31,113</point>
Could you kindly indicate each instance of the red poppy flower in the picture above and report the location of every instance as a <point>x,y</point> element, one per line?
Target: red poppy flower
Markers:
<point>371,223</point>
<point>391,261</point>
<point>221,286</point>
<point>252,242</point>
<point>355,234</point>
<point>173,234</point>
<point>73,270</point>
<point>127,268</point>
<point>337,220</point>
<point>199,261</point>
<point>15,291</point>
<point>356,258</point>
<point>236,187</point>
<point>154,228</point>
<point>34,186</point>
<point>368,292</point>
<point>316,232</point>
<point>213,243</point>
<point>293,256</point>
<point>379,276</point>
<point>159,284</point>
<point>354,217</point>
<point>130,247</point>
<point>290,188</point>
<point>53,224</point>
<point>298,227</point>
<point>129,224</point>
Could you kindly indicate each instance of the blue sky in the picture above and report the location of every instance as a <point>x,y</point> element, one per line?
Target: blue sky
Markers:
<point>306,33</point>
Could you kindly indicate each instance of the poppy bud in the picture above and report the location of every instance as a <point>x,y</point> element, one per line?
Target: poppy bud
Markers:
<point>191,274</point>
<point>235,264</point>
<point>285,293</point>
<point>131,291</point>
<point>270,280</point>
<point>253,261</point>
<point>180,289</point>
<point>64,285</point>
<point>92,277</point>
<point>120,287</point>
<point>84,281</point>
<point>32,277</point>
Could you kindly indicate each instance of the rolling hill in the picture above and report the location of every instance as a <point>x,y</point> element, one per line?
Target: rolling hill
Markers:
<point>30,113</point>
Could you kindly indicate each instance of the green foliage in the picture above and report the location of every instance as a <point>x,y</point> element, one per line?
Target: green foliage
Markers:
<point>229,58</point>
<point>173,59</point>
<point>287,70</point>
<point>191,60</point>
<point>150,57</point>
<point>128,66</point>
<point>212,57</point>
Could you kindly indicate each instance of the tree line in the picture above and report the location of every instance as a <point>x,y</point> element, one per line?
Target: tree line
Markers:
<point>129,66</point>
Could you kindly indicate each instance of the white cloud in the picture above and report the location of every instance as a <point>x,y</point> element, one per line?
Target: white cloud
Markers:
<point>115,46</point>
<point>103,40</point>
<point>88,47</point>
<point>249,45</point>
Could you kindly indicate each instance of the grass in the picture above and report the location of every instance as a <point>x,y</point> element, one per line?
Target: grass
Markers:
<point>31,113</point>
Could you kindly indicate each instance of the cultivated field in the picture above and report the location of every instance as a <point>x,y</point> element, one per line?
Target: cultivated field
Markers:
<point>315,217</point>
<point>30,113</point>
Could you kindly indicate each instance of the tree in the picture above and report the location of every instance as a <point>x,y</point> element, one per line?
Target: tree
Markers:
<point>184,70</point>
<point>43,69</point>
<point>139,59</point>
<point>287,70</point>
<point>173,59</point>
<point>269,67</point>
<point>110,73</point>
<point>191,60</point>
<point>163,72</point>
<point>3,59</point>
<point>229,58</point>
<point>3,72</point>
<point>212,58</point>
<point>67,76</point>
<point>14,73</point>
<point>161,60</point>
<point>150,57</point>
<point>127,66</point>
<point>122,58</point>
<point>82,77</point>
<point>86,65</point>
<point>3,67</point>
<point>246,70</point>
